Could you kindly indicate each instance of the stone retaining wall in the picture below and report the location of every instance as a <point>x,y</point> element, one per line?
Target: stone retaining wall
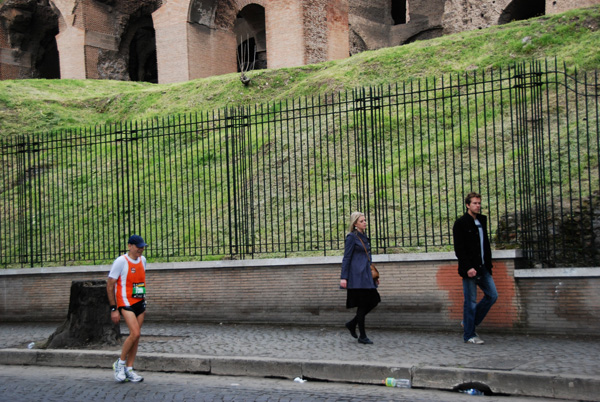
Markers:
<point>419,291</point>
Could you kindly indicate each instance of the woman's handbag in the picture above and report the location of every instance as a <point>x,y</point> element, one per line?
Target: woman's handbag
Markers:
<point>374,273</point>
<point>374,270</point>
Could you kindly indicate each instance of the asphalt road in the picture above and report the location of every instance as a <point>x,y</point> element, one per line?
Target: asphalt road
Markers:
<point>38,383</point>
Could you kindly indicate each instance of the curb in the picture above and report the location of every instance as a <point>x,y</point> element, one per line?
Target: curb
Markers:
<point>516,383</point>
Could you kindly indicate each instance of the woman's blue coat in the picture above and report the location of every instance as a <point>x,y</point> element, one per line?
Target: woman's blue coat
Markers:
<point>356,264</point>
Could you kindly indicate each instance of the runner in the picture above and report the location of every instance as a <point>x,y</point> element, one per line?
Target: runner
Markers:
<point>126,288</point>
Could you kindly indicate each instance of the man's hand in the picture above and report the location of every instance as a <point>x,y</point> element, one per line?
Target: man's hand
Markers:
<point>110,292</point>
<point>343,283</point>
<point>114,316</point>
<point>472,273</point>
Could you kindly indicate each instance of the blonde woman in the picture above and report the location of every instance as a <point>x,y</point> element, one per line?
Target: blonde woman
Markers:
<point>356,276</point>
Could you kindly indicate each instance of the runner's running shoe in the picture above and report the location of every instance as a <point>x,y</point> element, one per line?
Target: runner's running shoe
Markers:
<point>133,376</point>
<point>119,371</point>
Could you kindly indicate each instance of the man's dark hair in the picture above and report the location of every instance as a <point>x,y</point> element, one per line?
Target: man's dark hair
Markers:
<point>470,196</point>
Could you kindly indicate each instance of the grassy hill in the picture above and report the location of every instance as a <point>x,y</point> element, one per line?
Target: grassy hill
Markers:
<point>33,106</point>
<point>71,188</point>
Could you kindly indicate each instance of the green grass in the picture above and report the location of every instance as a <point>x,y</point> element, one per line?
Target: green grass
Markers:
<point>34,106</point>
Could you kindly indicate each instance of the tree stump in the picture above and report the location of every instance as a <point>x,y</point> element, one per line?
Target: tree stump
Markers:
<point>88,320</point>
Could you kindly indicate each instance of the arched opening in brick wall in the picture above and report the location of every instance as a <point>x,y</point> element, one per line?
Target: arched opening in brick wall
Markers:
<point>142,51</point>
<point>30,30</point>
<point>135,57</point>
<point>399,9</point>
<point>249,29</point>
<point>519,10</point>
<point>246,55</point>
<point>47,64</point>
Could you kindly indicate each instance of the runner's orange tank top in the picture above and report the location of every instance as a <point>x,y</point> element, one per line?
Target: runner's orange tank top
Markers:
<point>131,288</point>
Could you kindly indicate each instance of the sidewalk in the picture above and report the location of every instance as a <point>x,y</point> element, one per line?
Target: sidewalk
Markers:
<point>543,366</point>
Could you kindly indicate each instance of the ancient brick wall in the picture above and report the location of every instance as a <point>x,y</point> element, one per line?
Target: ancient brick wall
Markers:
<point>285,34</point>
<point>466,15</point>
<point>560,299</point>
<point>96,19</point>
<point>560,6</point>
<point>315,36</point>
<point>210,52</point>
<point>338,45</point>
<point>325,30</point>
<point>418,291</point>
<point>369,24</point>
<point>70,44</point>
<point>195,38</point>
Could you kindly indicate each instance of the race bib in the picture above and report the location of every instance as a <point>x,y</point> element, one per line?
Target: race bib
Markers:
<point>139,290</point>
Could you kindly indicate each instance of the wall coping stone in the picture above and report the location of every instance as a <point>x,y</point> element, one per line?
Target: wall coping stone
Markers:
<point>267,262</point>
<point>557,272</point>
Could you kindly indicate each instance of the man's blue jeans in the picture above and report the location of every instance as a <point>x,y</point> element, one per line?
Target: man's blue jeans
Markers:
<point>473,312</point>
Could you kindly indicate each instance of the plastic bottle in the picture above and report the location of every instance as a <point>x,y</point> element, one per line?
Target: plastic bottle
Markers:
<point>471,391</point>
<point>397,382</point>
<point>300,380</point>
<point>31,345</point>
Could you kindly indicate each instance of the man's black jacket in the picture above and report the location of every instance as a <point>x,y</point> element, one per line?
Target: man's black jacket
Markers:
<point>467,246</point>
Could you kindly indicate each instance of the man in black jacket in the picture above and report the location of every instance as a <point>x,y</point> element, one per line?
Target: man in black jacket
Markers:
<point>472,248</point>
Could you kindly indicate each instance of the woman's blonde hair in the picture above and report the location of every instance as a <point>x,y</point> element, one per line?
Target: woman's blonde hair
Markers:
<point>353,218</point>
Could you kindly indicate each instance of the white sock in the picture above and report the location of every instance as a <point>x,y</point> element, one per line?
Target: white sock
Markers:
<point>121,362</point>
<point>129,368</point>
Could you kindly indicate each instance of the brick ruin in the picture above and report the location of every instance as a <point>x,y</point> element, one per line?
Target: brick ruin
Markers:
<point>178,40</point>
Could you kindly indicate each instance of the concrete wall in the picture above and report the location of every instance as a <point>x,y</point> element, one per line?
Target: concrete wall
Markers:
<point>562,298</point>
<point>419,291</point>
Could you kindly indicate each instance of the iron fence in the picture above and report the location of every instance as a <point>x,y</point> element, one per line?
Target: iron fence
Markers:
<point>281,179</point>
